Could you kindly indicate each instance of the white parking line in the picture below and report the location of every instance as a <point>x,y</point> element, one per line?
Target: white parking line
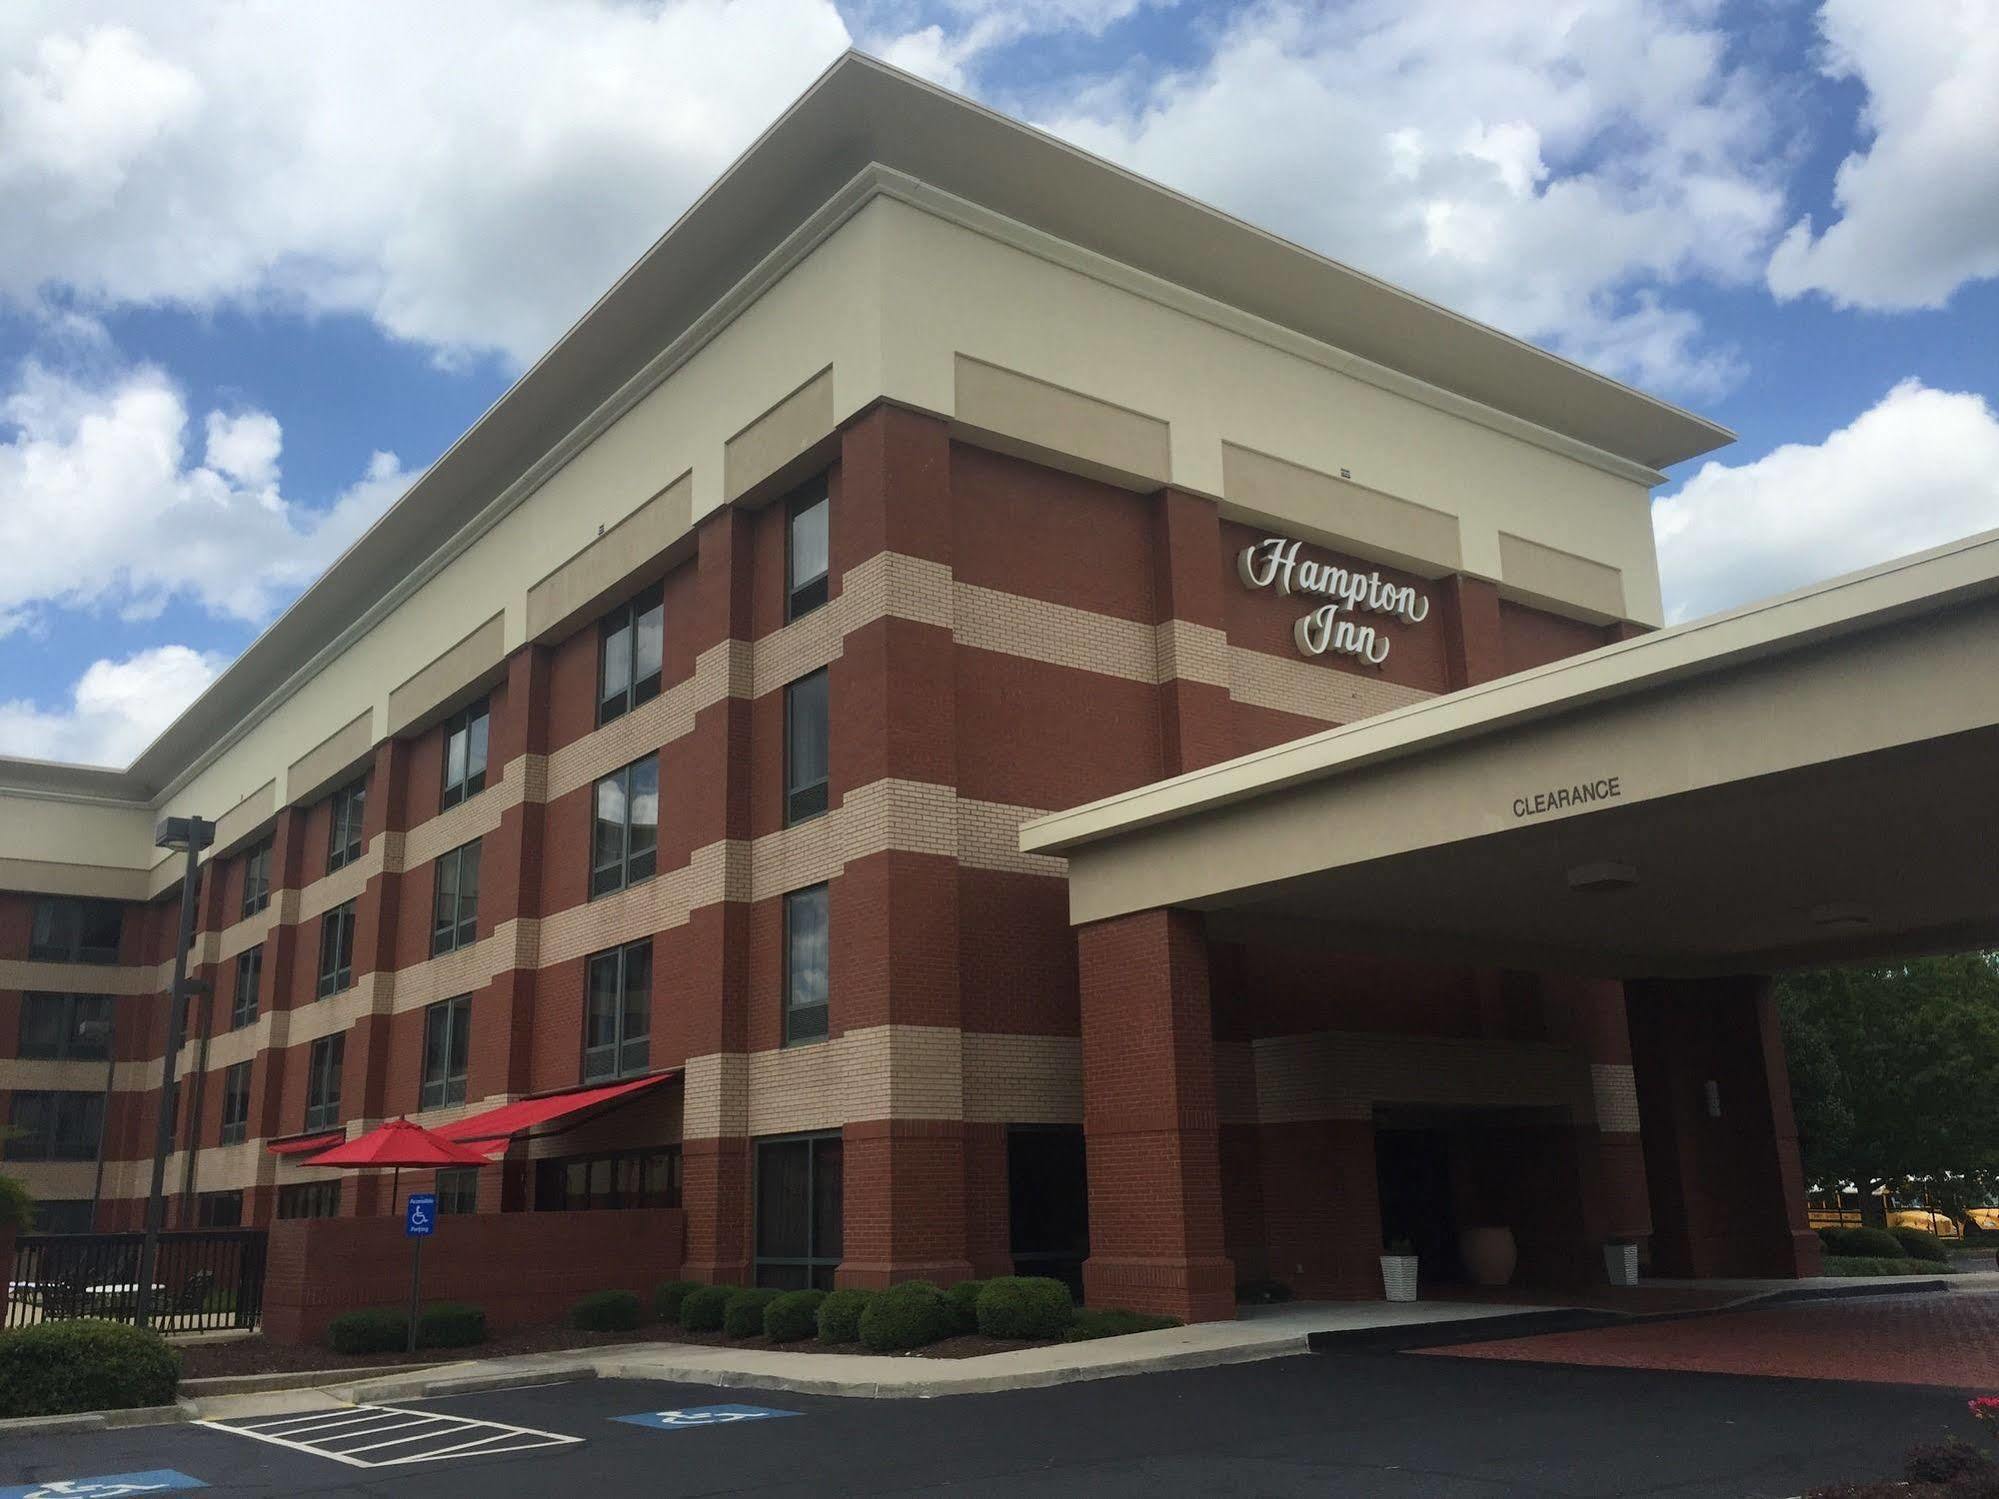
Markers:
<point>333,1433</point>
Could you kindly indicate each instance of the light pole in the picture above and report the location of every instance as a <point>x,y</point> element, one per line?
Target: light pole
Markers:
<point>192,834</point>
<point>108,1030</point>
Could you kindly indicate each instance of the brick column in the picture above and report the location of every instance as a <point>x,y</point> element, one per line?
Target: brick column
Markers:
<point>365,1068</point>
<point>510,886</point>
<point>1474,648</point>
<point>895,913</point>
<point>1720,1143</point>
<point>1193,639</point>
<point>1150,1120</point>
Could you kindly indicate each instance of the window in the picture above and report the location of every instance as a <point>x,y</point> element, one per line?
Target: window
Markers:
<point>76,931</point>
<point>349,805</point>
<point>322,1089</point>
<point>624,843</point>
<point>309,1200</point>
<point>67,1027</point>
<point>75,1215</point>
<point>617,1025</point>
<point>806,550</point>
<point>447,1034</point>
<point>257,878</point>
<point>458,1190</point>
<point>454,921</point>
<point>465,753</point>
<point>631,642</point>
<point>798,1212</point>
<point>55,1126</point>
<point>806,954</point>
<point>236,1104</point>
<point>249,978</point>
<point>336,949</point>
<point>615,1179</point>
<point>805,727</point>
<point>218,1210</point>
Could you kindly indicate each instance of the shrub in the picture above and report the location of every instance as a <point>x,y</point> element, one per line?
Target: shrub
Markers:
<point>1863,1243</point>
<point>964,1299</point>
<point>906,1316</point>
<point>1113,1322</point>
<point>1025,1306</point>
<point>743,1316</point>
<point>17,1204</point>
<point>1263,1292</point>
<point>1921,1244</point>
<point>606,1311</point>
<point>383,1329</point>
<point>702,1309</point>
<point>1843,1264</point>
<point>793,1315</point>
<point>840,1315</point>
<point>666,1300</point>
<point>56,1368</point>
<point>1945,1462</point>
<point>450,1324</point>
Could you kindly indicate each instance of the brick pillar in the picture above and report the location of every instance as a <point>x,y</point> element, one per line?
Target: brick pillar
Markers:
<point>510,885</point>
<point>1149,1119</point>
<point>1192,633</point>
<point>715,1154</point>
<point>365,1066</point>
<point>1474,647</point>
<point>895,913</point>
<point>1720,1143</point>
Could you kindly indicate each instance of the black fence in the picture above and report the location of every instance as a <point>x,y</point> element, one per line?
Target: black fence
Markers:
<point>204,1280</point>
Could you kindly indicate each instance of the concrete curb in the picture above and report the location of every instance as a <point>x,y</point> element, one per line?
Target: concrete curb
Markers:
<point>142,1415</point>
<point>460,1384</point>
<point>295,1379</point>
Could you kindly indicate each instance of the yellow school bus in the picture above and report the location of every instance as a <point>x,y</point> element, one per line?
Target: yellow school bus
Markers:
<point>1842,1210</point>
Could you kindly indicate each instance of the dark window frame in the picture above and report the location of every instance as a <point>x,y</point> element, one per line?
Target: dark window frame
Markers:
<point>47,1138</point>
<point>632,865</point>
<point>336,949</point>
<point>246,1002</point>
<point>629,1054</point>
<point>551,1194</point>
<point>803,595</point>
<point>475,722</point>
<point>47,945</point>
<point>345,840</point>
<point>438,1085</point>
<point>219,1209</point>
<point>453,1187</point>
<point>805,800</point>
<point>325,1064</point>
<point>64,1215</point>
<point>257,876</point>
<point>458,927</point>
<point>628,624</point>
<point>320,1199</point>
<point>235,1104</point>
<point>816,1267</point>
<point>810,1030</point>
<point>69,1044</point>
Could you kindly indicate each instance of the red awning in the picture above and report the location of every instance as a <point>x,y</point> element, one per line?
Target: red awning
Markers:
<point>492,1130</point>
<point>305,1144</point>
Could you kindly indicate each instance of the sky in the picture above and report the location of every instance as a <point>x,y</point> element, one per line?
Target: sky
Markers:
<point>261,263</point>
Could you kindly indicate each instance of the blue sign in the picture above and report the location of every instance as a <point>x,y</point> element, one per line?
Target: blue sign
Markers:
<point>420,1216</point>
<point>109,1486</point>
<point>703,1415</point>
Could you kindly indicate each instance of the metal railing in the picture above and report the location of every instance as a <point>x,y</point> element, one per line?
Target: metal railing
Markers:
<point>204,1280</point>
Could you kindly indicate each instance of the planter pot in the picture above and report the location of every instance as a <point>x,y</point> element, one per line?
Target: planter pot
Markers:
<point>1398,1277</point>
<point>1489,1254</point>
<point>1620,1263</point>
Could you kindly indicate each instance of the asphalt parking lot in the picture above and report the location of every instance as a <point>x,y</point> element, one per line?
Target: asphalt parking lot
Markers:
<point>1379,1425</point>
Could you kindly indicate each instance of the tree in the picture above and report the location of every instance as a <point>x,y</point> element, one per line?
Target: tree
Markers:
<point>1895,1072</point>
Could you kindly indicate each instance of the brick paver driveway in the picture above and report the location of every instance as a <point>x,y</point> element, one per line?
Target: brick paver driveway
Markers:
<point>1946,1338</point>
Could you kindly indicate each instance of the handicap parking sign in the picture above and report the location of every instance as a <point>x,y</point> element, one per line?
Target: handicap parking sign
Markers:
<point>420,1217</point>
<point>703,1415</point>
<point>106,1486</point>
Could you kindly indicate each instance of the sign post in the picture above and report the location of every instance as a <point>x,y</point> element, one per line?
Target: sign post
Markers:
<point>419,1223</point>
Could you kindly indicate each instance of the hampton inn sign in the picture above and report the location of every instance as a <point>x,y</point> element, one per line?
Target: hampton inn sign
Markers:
<point>1274,563</point>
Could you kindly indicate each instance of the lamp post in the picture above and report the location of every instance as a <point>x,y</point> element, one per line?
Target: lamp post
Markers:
<point>192,834</point>
<point>107,1032</point>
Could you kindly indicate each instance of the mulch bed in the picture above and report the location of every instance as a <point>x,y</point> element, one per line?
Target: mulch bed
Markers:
<point>257,1356</point>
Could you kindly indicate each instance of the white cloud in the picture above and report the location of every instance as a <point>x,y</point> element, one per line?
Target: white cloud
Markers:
<point>1556,170</point>
<point>116,708</point>
<point>1919,468</point>
<point>1919,207</point>
<point>101,505</point>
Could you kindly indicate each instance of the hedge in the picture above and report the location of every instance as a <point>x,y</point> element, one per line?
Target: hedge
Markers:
<point>702,1309</point>
<point>607,1311</point>
<point>1921,1244</point>
<point>743,1316</point>
<point>1848,1264</point>
<point>906,1316</point>
<point>1025,1306</point>
<point>1113,1322</point>
<point>792,1315</point>
<point>1869,1243</point>
<point>666,1300</point>
<point>840,1315</point>
<point>57,1368</point>
<point>383,1329</point>
<point>964,1299</point>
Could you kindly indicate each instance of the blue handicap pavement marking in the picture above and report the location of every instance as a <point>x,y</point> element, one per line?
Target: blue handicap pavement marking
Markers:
<point>106,1486</point>
<point>703,1415</point>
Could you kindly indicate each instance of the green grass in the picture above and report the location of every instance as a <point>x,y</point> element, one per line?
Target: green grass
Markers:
<point>1846,1264</point>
